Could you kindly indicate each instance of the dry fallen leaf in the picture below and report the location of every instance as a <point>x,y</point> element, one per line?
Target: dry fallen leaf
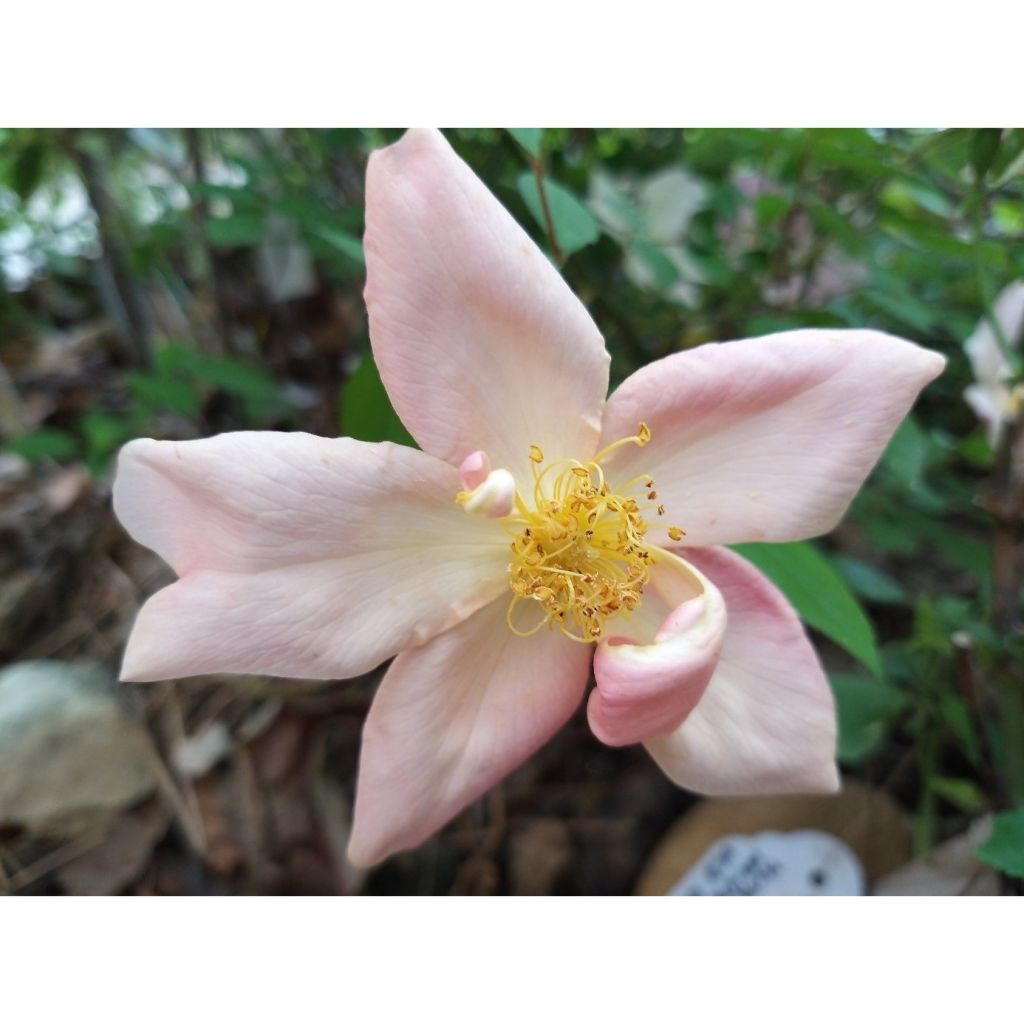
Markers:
<point>951,869</point>
<point>120,857</point>
<point>69,754</point>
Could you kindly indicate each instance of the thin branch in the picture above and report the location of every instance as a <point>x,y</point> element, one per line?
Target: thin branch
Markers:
<point>123,293</point>
<point>978,205</point>
<point>549,224</point>
<point>57,858</point>
<point>201,216</point>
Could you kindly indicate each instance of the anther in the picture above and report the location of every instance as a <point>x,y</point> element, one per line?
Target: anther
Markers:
<point>578,546</point>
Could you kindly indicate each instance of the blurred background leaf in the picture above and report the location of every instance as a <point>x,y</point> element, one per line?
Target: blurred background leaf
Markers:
<point>366,410</point>
<point>1004,849</point>
<point>575,227</point>
<point>867,710</point>
<point>819,594</point>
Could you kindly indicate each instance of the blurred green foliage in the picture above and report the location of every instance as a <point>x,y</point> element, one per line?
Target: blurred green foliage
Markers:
<point>672,238</point>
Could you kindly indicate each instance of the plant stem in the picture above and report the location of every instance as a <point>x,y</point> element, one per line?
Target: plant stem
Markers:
<point>924,821</point>
<point>124,294</point>
<point>1011,700</point>
<point>1005,503</point>
<point>201,215</point>
<point>549,224</point>
<point>981,278</point>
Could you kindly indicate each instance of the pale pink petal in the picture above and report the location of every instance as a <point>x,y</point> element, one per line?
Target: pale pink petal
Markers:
<point>454,717</point>
<point>647,686</point>
<point>767,439</point>
<point>983,349</point>
<point>299,555</point>
<point>494,498</point>
<point>474,469</point>
<point>766,722</point>
<point>479,341</point>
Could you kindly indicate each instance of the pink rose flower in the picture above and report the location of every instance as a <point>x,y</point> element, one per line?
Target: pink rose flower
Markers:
<point>539,531</point>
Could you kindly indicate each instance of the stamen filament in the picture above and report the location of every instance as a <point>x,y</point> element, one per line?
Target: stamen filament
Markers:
<point>640,438</point>
<point>579,551</point>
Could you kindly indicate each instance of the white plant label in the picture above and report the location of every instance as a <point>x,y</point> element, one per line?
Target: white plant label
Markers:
<point>804,863</point>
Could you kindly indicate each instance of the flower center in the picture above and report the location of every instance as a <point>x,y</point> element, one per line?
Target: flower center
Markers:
<point>578,552</point>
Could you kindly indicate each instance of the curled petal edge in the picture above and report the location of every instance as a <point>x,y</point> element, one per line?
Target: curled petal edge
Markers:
<point>648,689</point>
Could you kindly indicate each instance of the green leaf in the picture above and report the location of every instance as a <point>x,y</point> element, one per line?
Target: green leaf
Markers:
<point>870,582</point>
<point>529,139</point>
<point>342,242</point>
<point>1008,216</point>
<point>771,209</point>
<point>935,240</point>
<point>366,410</point>
<point>902,307</point>
<point>103,433</point>
<point>312,213</point>
<point>819,594</point>
<point>575,226</point>
<point>984,149</point>
<point>253,385</point>
<point>958,718</point>
<point>662,271</point>
<point>906,457</point>
<point>867,710</point>
<point>907,196</point>
<point>27,169</point>
<point>1004,849</point>
<point>175,357</point>
<point>159,393</point>
<point>44,443</point>
<point>960,548</point>
<point>964,794</point>
<point>616,210</point>
<point>1010,160</point>
<point>242,200</point>
<point>240,229</point>
<point>975,447</point>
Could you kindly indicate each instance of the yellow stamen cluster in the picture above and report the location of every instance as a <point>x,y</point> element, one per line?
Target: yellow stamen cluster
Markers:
<point>579,551</point>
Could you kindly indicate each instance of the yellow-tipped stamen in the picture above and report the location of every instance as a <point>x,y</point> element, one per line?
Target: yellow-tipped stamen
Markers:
<point>640,438</point>
<point>578,550</point>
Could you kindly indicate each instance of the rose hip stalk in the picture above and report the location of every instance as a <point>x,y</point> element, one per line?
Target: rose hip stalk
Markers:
<point>539,531</point>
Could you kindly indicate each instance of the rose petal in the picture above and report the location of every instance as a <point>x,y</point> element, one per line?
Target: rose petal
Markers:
<point>767,439</point>
<point>646,689</point>
<point>454,717</point>
<point>766,722</point>
<point>479,341</point>
<point>300,555</point>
